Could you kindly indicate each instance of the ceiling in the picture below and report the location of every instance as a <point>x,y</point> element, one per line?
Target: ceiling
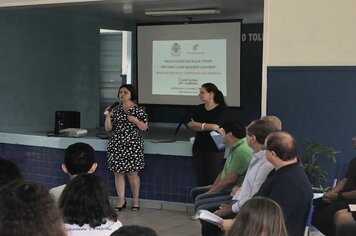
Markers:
<point>133,11</point>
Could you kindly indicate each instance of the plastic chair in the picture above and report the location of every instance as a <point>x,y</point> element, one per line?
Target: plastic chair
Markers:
<point>308,222</point>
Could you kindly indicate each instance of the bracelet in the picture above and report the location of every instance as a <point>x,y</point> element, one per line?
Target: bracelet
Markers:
<point>202,126</point>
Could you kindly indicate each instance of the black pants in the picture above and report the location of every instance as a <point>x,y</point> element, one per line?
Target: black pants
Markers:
<point>208,166</point>
<point>323,217</point>
<point>347,229</point>
<point>208,229</point>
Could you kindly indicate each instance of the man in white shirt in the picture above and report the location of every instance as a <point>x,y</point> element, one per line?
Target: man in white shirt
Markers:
<point>78,158</point>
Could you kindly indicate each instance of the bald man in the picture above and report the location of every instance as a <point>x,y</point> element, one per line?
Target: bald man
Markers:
<point>287,184</point>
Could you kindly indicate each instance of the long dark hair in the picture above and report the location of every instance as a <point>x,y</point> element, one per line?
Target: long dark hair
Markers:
<point>85,200</point>
<point>218,95</point>
<point>26,208</point>
<point>134,230</point>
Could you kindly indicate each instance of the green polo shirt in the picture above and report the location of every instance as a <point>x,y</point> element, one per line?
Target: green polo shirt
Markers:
<point>237,160</point>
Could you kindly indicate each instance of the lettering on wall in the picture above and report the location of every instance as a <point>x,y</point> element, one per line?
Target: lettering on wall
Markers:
<point>252,37</point>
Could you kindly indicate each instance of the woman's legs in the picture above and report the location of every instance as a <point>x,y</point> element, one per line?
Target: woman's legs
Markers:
<point>213,165</point>
<point>199,168</point>
<point>323,217</point>
<point>134,180</point>
<point>207,166</point>
<point>120,188</point>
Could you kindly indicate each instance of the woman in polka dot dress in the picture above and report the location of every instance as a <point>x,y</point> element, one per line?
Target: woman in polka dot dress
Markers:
<point>125,147</point>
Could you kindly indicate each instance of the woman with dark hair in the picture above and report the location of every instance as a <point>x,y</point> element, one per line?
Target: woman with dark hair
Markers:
<point>134,230</point>
<point>209,116</point>
<point>259,216</point>
<point>125,148</point>
<point>86,207</point>
<point>27,209</point>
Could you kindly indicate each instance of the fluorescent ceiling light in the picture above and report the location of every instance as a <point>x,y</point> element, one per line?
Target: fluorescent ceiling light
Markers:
<point>16,3</point>
<point>109,31</point>
<point>183,12</point>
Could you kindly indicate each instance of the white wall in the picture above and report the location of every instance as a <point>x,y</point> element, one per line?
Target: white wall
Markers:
<point>308,33</point>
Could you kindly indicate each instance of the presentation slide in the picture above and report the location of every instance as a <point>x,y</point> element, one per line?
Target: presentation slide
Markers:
<point>180,67</point>
<point>175,60</point>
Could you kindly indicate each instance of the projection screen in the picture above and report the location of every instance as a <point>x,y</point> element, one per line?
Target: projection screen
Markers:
<point>174,60</point>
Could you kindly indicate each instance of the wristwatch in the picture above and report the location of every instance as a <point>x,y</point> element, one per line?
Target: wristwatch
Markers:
<point>340,196</point>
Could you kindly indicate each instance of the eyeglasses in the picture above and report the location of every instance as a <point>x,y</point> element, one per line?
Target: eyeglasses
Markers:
<point>264,148</point>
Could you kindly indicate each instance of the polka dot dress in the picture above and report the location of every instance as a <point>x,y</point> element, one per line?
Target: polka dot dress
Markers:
<point>125,147</point>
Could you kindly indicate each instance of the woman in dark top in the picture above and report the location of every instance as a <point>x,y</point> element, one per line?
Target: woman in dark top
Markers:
<point>210,115</point>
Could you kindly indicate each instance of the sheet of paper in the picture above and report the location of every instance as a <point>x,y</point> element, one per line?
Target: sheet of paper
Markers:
<point>217,139</point>
<point>209,217</point>
<point>352,207</point>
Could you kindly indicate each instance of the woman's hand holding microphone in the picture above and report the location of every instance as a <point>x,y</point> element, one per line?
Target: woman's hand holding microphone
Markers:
<point>108,112</point>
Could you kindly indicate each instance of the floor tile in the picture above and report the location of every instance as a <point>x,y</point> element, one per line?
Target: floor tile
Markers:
<point>164,222</point>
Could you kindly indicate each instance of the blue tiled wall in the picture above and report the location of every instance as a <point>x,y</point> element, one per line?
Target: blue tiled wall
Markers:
<point>168,178</point>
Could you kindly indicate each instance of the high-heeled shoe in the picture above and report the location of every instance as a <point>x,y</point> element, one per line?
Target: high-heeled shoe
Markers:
<point>122,207</point>
<point>135,208</point>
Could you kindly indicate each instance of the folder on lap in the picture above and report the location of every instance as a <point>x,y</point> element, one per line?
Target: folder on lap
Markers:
<point>352,207</point>
<point>209,217</point>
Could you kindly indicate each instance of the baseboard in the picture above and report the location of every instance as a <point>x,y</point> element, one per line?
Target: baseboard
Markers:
<point>159,205</point>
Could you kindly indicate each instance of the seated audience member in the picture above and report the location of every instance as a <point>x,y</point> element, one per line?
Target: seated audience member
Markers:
<point>86,208</point>
<point>78,158</point>
<point>8,172</point>
<point>260,167</point>
<point>259,216</point>
<point>134,230</point>
<point>287,184</point>
<point>256,174</point>
<point>343,194</point>
<point>233,173</point>
<point>27,209</point>
<point>275,121</point>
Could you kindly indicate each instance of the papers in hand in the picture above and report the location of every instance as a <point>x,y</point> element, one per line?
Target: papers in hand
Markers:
<point>217,139</point>
<point>209,217</point>
<point>352,207</point>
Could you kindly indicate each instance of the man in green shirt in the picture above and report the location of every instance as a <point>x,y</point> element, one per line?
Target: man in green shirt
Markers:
<point>233,173</point>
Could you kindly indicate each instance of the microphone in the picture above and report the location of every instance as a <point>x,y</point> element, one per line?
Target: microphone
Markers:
<point>111,107</point>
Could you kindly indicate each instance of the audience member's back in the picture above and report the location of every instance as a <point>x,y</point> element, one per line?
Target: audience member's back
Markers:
<point>27,209</point>
<point>287,184</point>
<point>78,158</point>
<point>86,207</point>
<point>8,172</point>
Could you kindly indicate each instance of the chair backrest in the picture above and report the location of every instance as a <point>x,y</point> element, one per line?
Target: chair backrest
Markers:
<point>308,222</point>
